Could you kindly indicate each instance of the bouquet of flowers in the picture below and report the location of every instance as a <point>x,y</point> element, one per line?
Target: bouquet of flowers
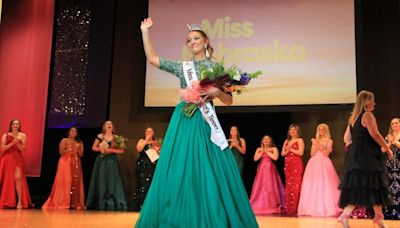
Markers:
<point>231,79</point>
<point>120,142</point>
<point>156,144</point>
<point>154,151</point>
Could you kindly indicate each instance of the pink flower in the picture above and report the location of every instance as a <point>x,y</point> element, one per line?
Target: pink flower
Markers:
<point>191,94</point>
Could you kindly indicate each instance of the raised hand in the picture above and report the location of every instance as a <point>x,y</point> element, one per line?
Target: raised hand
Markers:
<point>146,24</point>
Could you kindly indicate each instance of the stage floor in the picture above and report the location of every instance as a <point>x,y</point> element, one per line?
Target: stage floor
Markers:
<point>87,219</point>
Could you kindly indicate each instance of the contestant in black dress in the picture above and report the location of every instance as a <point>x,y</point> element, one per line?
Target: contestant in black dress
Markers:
<point>364,180</point>
<point>393,169</point>
<point>145,167</point>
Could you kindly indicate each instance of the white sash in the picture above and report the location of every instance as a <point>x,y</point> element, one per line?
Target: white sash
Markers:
<point>217,134</point>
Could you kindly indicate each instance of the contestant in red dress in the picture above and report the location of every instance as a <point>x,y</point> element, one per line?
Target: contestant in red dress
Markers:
<point>14,192</point>
<point>67,191</point>
<point>293,150</point>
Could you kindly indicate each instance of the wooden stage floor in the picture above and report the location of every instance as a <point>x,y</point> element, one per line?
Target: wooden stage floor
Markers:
<point>88,219</point>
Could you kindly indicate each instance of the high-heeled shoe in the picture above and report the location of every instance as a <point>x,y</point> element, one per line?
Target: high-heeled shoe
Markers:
<point>344,219</point>
<point>378,220</point>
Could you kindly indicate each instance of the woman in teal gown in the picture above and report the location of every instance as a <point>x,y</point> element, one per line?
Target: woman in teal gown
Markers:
<point>196,184</point>
<point>106,190</point>
<point>237,146</point>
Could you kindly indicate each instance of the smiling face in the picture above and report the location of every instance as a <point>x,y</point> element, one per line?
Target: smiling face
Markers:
<point>72,133</point>
<point>322,131</point>
<point>266,141</point>
<point>15,126</point>
<point>293,132</point>
<point>395,124</point>
<point>233,132</point>
<point>196,42</point>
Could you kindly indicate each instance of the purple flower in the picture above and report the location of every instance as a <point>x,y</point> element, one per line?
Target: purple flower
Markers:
<point>244,79</point>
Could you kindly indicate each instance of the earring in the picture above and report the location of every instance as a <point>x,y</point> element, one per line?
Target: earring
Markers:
<point>207,52</point>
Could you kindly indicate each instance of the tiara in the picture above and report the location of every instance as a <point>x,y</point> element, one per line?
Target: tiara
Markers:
<point>194,27</point>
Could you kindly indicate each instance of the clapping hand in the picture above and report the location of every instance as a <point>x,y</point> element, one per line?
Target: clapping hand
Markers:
<point>288,147</point>
<point>389,138</point>
<point>148,138</point>
<point>234,143</point>
<point>268,150</point>
<point>16,140</point>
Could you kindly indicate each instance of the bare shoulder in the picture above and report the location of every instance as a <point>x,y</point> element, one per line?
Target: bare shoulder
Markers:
<point>368,117</point>
<point>22,135</point>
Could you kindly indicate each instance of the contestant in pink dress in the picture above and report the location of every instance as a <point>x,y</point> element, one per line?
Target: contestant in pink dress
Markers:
<point>319,191</point>
<point>268,193</point>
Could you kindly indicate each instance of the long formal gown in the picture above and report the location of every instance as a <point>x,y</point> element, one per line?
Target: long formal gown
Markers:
<point>268,193</point>
<point>393,169</point>
<point>67,191</point>
<point>106,189</point>
<point>195,184</point>
<point>9,162</point>
<point>319,190</point>
<point>144,174</point>
<point>364,180</point>
<point>294,169</point>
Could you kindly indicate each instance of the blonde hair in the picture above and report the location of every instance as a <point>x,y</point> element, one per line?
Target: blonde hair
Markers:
<point>363,98</point>
<point>103,130</point>
<point>328,133</point>
<point>390,131</point>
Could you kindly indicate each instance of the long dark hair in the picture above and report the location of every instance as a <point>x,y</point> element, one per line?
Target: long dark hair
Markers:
<point>237,136</point>
<point>154,133</point>
<point>77,138</point>
<point>271,141</point>
<point>10,125</point>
